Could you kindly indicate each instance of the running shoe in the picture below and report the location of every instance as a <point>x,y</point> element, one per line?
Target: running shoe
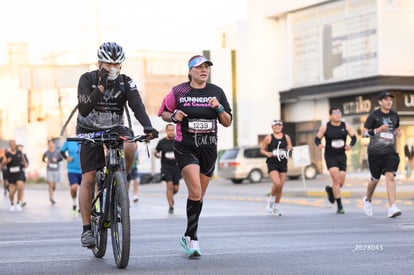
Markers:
<point>269,206</point>
<point>340,211</point>
<point>195,245</point>
<point>393,211</point>
<point>330,194</point>
<point>135,199</point>
<point>185,243</point>
<point>171,210</point>
<point>276,211</point>
<point>367,206</point>
<point>12,208</point>
<point>192,247</point>
<point>52,201</point>
<point>74,213</point>
<point>88,239</point>
<point>19,208</point>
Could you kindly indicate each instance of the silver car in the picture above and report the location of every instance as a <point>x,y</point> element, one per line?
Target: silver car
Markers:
<point>246,162</point>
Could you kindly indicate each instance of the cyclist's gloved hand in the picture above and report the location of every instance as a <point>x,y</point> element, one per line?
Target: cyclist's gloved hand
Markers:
<point>103,76</point>
<point>151,133</point>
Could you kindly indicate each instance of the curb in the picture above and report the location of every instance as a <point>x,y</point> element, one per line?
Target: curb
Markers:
<point>403,195</point>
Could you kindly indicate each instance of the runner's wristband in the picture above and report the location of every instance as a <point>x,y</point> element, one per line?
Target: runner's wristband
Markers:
<point>220,109</point>
<point>173,119</point>
<point>370,133</point>
<point>353,141</point>
<point>317,141</point>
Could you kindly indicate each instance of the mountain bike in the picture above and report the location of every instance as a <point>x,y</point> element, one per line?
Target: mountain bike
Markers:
<point>110,204</point>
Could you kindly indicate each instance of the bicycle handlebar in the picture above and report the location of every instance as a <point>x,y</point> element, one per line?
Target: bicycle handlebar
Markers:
<point>106,138</point>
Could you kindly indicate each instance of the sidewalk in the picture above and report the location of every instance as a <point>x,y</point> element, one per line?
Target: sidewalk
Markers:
<point>355,186</point>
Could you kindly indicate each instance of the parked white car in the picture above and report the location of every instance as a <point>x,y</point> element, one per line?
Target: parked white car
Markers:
<point>246,162</point>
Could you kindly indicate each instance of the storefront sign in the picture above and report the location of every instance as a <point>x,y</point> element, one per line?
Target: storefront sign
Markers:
<point>363,104</point>
<point>409,100</point>
<point>357,106</point>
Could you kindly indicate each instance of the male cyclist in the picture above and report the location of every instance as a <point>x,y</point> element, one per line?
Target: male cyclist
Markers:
<point>102,97</point>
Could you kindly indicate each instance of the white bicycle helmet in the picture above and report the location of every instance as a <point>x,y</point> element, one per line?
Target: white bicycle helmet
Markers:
<point>111,52</point>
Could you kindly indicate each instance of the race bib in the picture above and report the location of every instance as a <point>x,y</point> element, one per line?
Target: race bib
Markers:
<point>338,143</point>
<point>201,125</point>
<point>387,136</point>
<point>169,155</point>
<point>53,165</point>
<point>14,169</point>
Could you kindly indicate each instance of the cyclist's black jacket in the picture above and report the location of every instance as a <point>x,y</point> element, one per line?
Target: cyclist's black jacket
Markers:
<point>100,111</point>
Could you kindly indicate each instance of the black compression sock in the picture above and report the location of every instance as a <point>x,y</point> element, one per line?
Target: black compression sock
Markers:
<point>339,203</point>
<point>201,207</point>
<point>193,212</point>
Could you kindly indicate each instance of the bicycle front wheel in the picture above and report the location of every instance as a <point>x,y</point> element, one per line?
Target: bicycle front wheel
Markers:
<point>99,232</point>
<point>120,222</point>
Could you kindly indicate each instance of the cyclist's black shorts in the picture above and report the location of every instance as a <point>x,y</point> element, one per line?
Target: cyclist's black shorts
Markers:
<point>92,157</point>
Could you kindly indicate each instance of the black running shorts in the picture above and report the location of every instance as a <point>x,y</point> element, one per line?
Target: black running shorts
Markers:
<point>336,160</point>
<point>204,157</point>
<point>379,164</point>
<point>275,164</point>
<point>13,178</point>
<point>173,175</point>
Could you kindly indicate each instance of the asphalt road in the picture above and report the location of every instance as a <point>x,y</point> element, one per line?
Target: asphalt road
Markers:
<point>236,236</point>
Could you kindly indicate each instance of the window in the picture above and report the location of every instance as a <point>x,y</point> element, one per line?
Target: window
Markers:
<point>253,153</point>
<point>230,154</point>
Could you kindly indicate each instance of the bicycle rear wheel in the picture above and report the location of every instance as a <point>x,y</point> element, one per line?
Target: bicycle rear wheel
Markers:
<point>120,222</point>
<point>100,233</point>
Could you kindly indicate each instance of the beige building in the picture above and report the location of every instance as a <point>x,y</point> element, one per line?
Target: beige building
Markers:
<point>37,99</point>
<point>289,59</point>
<point>298,58</point>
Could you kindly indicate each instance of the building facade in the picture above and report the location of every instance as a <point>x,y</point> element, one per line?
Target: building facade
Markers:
<point>320,54</point>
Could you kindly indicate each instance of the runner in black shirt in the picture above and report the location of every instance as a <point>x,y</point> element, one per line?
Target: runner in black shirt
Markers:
<point>3,172</point>
<point>335,133</point>
<point>170,173</point>
<point>196,106</point>
<point>16,163</point>
<point>382,126</point>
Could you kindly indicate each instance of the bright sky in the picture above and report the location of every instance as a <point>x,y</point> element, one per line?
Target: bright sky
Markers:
<point>54,25</point>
